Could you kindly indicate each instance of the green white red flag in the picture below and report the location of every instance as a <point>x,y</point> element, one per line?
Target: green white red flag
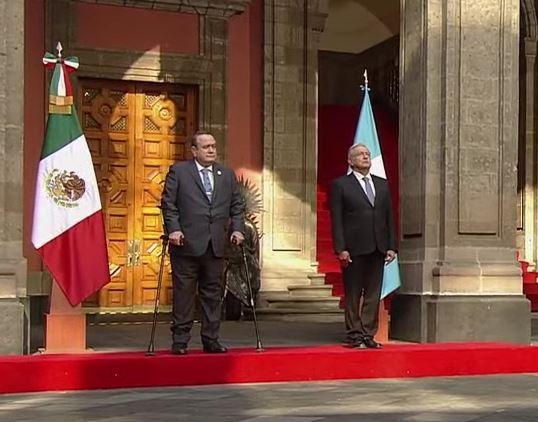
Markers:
<point>68,226</point>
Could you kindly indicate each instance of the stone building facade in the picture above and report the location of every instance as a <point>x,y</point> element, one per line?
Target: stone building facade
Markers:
<point>461,85</point>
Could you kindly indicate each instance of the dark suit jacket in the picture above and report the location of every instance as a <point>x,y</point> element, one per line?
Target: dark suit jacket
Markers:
<point>186,208</point>
<point>357,226</point>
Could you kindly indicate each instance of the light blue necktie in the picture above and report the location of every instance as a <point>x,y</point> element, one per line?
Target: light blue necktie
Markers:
<point>369,190</point>
<point>207,183</point>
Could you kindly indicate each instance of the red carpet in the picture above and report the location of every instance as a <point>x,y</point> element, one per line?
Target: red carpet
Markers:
<point>134,369</point>
<point>530,284</point>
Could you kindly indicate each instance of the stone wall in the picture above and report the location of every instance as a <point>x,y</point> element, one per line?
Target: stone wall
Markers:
<point>206,69</point>
<point>290,141</point>
<point>12,264</point>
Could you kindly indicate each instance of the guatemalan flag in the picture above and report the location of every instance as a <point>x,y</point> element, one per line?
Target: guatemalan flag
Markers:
<point>366,133</point>
<point>68,227</point>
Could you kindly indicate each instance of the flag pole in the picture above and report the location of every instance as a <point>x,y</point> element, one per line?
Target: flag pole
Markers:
<point>65,325</point>
<point>66,182</point>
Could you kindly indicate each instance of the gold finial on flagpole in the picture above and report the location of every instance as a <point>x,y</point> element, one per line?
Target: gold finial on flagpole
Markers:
<point>365,74</point>
<point>59,49</point>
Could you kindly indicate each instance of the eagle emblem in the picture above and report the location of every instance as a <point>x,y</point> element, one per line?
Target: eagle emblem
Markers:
<point>64,187</point>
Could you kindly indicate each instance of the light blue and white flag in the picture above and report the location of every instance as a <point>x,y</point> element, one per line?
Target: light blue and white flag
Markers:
<point>366,134</point>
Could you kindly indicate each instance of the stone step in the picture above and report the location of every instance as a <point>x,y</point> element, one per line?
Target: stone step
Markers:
<point>324,290</point>
<point>319,304</point>
<point>317,279</point>
<point>295,314</point>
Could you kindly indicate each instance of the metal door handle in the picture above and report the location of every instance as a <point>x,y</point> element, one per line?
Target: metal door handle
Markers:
<point>136,252</point>
<point>130,247</point>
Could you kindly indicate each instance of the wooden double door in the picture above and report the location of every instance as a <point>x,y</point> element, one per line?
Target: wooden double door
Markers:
<point>135,131</point>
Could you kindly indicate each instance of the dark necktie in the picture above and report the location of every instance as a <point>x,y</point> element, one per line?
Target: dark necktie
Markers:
<point>207,183</point>
<point>369,190</point>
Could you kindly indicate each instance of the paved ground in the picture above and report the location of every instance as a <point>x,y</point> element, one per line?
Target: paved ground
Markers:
<point>484,399</point>
<point>454,399</point>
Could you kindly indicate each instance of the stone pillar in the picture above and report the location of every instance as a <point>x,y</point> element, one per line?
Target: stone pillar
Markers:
<point>290,142</point>
<point>458,122</point>
<point>13,328</point>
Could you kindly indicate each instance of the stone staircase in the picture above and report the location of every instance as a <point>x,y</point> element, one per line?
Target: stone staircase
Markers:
<point>302,302</point>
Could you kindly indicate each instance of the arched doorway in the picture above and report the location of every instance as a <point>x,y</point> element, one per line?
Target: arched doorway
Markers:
<point>358,35</point>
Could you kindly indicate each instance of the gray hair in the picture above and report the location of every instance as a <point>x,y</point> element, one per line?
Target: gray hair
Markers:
<point>353,147</point>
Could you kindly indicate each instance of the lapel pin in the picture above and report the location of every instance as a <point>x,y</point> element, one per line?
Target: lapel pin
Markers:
<point>219,172</point>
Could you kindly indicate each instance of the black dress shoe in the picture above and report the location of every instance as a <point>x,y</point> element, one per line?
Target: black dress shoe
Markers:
<point>370,343</point>
<point>359,344</point>
<point>214,347</point>
<point>350,341</point>
<point>179,349</point>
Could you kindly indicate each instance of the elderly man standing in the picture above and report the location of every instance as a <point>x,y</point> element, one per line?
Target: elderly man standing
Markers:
<point>364,240</point>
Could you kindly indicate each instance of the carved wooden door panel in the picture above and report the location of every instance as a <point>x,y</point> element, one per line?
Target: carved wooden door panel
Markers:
<point>164,117</point>
<point>107,119</point>
<point>135,132</point>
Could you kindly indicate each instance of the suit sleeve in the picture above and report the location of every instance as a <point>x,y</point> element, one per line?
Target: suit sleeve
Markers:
<point>237,208</point>
<point>337,217</point>
<point>391,241</point>
<point>169,206</point>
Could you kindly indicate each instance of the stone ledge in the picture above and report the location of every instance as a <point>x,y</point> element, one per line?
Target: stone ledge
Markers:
<point>224,8</point>
<point>436,319</point>
<point>12,277</point>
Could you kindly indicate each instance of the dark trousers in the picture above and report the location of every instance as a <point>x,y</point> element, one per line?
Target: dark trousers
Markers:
<point>188,272</point>
<point>363,278</point>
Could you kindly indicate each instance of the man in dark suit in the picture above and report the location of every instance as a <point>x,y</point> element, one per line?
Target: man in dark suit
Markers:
<point>363,237</point>
<point>201,206</point>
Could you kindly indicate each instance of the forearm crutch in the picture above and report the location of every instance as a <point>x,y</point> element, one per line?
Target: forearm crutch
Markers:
<point>259,346</point>
<point>151,345</point>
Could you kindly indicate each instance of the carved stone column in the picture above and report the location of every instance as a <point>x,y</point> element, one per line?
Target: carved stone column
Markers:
<point>290,142</point>
<point>12,263</point>
<point>458,120</point>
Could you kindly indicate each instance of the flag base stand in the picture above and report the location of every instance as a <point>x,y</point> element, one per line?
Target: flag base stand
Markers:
<point>65,325</point>
<point>382,335</point>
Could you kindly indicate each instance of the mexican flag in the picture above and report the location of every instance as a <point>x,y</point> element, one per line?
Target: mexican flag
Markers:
<point>68,226</point>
